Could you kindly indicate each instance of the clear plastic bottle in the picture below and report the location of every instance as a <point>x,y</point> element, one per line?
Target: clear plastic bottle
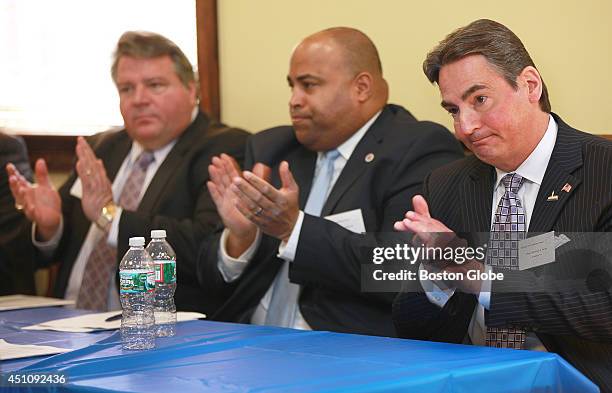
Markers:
<point>137,289</point>
<point>164,259</point>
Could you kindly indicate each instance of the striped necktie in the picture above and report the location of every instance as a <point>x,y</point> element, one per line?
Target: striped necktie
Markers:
<point>102,262</point>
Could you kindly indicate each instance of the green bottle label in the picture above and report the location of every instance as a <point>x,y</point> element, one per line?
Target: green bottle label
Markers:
<point>165,272</point>
<point>136,281</point>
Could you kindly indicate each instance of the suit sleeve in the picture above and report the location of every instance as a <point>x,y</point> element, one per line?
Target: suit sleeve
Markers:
<point>330,256</point>
<point>208,273</point>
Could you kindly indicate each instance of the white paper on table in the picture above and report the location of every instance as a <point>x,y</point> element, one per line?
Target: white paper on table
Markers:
<point>18,351</point>
<point>92,322</point>
<point>18,302</point>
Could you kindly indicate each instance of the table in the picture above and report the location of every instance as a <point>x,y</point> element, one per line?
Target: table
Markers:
<point>12,321</point>
<point>225,357</point>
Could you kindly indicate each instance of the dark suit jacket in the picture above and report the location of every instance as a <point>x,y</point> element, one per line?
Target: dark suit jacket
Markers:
<point>328,262</point>
<point>16,264</point>
<point>176,200</point>
<point>574,322</point>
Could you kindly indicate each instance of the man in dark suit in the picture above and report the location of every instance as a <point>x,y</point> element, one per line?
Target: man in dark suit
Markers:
<point>282,262</point>
<point>151,175</point>
<point>530,173</point>
<point>16,269</point>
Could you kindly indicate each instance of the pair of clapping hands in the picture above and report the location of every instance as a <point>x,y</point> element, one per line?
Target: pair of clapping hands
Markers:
<point>41,203</point>
<point>246,201</point>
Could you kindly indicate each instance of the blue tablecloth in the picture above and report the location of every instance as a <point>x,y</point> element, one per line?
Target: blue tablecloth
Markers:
<point>222,357</point>
<point>11,323</point>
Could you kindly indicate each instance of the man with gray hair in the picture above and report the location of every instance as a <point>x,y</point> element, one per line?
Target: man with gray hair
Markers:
<point>150,175</point>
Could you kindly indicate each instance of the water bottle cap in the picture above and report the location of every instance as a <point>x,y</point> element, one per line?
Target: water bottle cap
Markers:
<point>158,233</point>
<point>137,241</point>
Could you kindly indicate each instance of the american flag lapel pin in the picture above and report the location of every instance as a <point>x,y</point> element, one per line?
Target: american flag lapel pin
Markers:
<point>567,187</point>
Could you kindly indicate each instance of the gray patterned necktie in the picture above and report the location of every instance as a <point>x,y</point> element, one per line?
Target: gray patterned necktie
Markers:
<point>102,262</point>
<point>507,230</point>
<point>284,301</point>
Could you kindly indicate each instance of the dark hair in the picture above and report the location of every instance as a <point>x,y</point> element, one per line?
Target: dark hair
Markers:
<point>146,45</point>
<point>500,46</point>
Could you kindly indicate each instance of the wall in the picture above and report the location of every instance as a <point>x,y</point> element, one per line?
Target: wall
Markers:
<point>570,42</point>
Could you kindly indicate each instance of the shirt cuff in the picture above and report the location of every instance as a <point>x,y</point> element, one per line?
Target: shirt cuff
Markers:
<point>485,290</point>
<point>231,268</point>
<point>287,250</point>
<point>113,233</point>
<point>434,293</point>
<point>48,247</point>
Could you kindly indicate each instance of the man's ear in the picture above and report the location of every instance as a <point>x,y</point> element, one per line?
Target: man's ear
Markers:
<point>363,83</point>
<point>193,92</point>
<point>531,78</point>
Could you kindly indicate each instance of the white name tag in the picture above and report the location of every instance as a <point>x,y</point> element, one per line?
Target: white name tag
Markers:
<point>536,251</point>
<point>351,220</point>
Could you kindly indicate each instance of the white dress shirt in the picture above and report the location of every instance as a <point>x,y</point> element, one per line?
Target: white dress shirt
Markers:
<point>94,234</point>
<point>232,268</point>
<point>532,170</point>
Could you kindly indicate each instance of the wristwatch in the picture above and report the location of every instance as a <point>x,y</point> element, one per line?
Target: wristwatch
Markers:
<point>107,214</point>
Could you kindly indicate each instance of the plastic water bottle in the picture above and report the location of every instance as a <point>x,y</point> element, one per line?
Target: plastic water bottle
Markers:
<point>164,259</point>
<point>137,290</point>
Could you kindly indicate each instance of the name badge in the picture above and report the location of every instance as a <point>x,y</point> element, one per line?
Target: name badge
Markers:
<point>536,251</point>
<point>351,220</point>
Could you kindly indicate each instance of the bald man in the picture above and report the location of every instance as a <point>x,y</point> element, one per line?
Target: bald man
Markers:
<point>281,259</point>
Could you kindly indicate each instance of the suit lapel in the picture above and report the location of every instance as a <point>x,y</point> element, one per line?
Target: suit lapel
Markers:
<point>302,166</point>
<point>115,154</point>
<point>565,159</point>
<point>477,197</point>
<point>357,164</point>
<point>171,163</point>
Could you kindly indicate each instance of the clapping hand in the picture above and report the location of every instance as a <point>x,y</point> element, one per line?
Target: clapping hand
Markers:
<point>274,211</point>
<point>39,202</point>
<point>97,188</point>
<point>433,233</point>
<point>242,231</point>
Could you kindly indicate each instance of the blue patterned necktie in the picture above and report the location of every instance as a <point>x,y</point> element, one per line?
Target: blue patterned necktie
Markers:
<point>283,304</point>
<point>508,229</point>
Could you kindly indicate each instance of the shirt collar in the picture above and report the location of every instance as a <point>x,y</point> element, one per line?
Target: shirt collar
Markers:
<point>534,167</point>
<point>348,146</point>
<point>159,154</point>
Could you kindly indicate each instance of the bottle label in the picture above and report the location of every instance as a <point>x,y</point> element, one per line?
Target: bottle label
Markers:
<point>136,281</point>
<point>165,272</point>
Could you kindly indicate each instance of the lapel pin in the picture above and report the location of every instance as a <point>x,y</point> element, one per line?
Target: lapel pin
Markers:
<point>567,187</point>
<point>369,157</point>
<point>552,196</point>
